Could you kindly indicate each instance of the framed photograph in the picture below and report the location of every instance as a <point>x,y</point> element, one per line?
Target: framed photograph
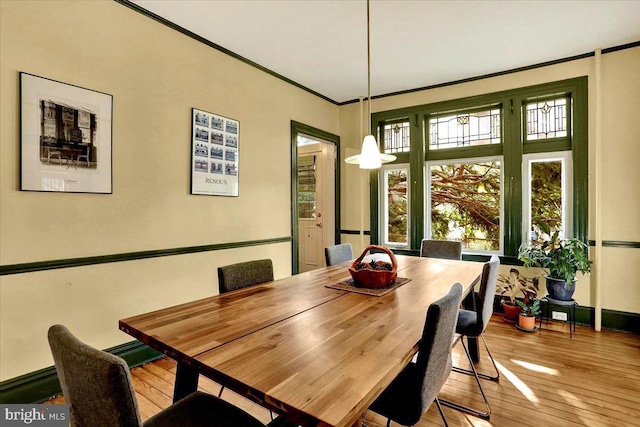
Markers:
<point>214,154</point>
<point>65,137</point>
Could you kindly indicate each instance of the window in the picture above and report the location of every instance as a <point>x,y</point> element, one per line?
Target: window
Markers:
<point>307,187</point>
<point>547,191</point>
<point>464,195</point>
<point>464,203</point>
<point>546,119</point>
<point>485,170</point>
<point>396,205</point>
<point>465,129</point>
<point>396,137</point>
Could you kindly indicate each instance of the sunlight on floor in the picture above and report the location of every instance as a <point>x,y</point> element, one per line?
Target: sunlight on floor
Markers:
<point>517,382</point>
<point>573,400</point>
<point>536,368</point>
<point>477,422</point>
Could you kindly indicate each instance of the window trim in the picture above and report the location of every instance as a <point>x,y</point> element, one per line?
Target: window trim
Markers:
<point>512,101</point>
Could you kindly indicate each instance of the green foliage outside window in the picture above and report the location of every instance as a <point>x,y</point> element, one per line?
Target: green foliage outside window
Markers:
<point>465,204</point>
<point>546,194</point>
<point>397,202</point>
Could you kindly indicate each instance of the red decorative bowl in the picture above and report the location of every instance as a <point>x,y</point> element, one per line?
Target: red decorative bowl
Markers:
<point>374,274</point>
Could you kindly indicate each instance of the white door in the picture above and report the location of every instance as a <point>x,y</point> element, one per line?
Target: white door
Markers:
<point>316,203</point>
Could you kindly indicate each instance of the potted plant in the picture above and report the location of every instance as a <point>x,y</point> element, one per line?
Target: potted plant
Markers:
<point>515,284</point>
<point>527,318</point>
<point>562,258</point>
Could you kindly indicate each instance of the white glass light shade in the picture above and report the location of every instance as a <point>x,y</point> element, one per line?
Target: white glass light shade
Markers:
<point>370,156</point>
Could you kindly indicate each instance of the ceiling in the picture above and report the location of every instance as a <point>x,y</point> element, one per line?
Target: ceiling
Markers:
<point>321,44</point>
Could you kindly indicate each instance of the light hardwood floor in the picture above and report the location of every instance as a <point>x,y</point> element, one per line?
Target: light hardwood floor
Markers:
<point>546,379</point>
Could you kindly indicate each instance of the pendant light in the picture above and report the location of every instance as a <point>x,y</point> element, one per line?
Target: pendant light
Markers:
<point>370,156</point>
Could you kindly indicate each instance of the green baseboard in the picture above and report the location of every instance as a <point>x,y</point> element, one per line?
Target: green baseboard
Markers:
<point>611,319</point>
<point>38,386</point>
<point>621,321</point>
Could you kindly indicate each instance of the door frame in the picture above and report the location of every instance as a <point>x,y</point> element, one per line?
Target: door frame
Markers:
<point>296,128</point>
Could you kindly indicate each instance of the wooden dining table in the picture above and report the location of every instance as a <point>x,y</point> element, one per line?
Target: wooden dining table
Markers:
<point>316,354</point>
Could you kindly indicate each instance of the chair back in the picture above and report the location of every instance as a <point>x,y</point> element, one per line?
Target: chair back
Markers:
<point>434,353</point>
<point>244,274</point>
<point>96,384</point>
<point>338,253</point>
<point>487,291</point>
<point>446,249</point>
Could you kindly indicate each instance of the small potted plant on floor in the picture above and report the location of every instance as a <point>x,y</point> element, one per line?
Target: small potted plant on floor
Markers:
<point>527,318</point>
<point>515,284</point>
<point>562,258</point>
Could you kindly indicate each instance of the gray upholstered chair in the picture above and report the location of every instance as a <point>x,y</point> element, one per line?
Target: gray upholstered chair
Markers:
<point>98,387</point>
<point>244,274</point>
<point>472,323</point>
<point>447,249</point>
<point>338,253</point>
<point>417,386</point>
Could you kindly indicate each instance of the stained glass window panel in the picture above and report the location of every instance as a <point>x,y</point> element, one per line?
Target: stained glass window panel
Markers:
<point>396,137</point>
<point>465,129</point>
<point>546,119</point>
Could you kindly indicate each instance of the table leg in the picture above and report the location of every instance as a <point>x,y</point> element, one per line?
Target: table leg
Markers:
<point>472,346</point>
<point>186,381</point>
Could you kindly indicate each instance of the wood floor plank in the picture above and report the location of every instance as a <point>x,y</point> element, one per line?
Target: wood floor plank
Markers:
<point>154,380</point>
<point>546,379</point>
<point>147,408</point>
<point>167,364</point>
<point>160,372</point>
<point>150,392</point>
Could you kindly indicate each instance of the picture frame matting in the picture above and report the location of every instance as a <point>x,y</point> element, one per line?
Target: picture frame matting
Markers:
<point>65,137</point>
<point>215,154</point>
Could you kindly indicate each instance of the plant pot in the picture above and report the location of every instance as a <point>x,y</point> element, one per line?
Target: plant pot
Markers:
<point>527,322</point>
<point>558,289</point>
<point>511,311</point>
